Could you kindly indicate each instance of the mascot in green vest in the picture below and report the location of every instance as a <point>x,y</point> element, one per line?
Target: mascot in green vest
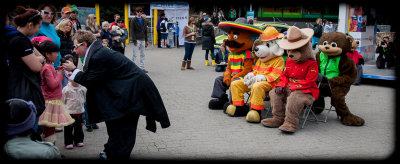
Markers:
<point>340,71</point>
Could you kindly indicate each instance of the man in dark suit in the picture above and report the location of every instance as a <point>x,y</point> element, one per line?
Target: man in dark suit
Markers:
<point>117,92</point>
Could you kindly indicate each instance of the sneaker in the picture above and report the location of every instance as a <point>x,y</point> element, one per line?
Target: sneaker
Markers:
<point>103,155</point>
<point>80,144</point>
<point>94,126</point>
<point>89,128</point>
<point>70,146</point>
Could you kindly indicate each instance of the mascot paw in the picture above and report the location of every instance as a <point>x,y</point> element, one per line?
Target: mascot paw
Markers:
<point>288,127</point>
<point>237,111</point>
<point>254,116</point>
<point>272,122</point>
<point>352,120</point>
<point>217,103</point>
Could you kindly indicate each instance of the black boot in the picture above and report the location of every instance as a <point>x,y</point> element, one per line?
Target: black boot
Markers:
<point>218,103</point>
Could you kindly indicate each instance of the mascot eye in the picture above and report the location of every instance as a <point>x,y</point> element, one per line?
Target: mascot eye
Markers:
<point>325,43</point>
<point>235,36</point>
<point>333,44</point>
<point>267,45</point>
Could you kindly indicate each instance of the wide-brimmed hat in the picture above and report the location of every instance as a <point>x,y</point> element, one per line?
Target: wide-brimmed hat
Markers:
<point>296,38</point>
<point>240,23</point>
<point>270,33</point>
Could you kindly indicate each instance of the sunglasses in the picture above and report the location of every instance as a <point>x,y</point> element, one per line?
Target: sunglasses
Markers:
<point>139,11</point>
<point>47,13</point>
<point>77,45</point>
<point>38,14</point>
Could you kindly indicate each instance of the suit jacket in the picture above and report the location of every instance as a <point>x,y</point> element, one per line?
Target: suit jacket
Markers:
<point>138,31</point>
<point>116,87</point>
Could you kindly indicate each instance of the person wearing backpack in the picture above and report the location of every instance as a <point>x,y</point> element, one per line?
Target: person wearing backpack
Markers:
<point>317,33</point>
<point>164,33</point>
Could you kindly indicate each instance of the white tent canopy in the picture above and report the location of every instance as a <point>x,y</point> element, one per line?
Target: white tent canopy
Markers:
<point>175,11</point>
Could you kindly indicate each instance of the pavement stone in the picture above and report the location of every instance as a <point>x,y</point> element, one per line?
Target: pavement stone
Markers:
<point>197,133</point>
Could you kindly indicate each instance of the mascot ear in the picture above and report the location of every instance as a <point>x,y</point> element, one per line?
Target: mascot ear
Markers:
<point>278,51</point>
<point>255,44</point>
<point>349,39</point>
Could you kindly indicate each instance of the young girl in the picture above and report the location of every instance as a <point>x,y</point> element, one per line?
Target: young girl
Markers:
<point>54,115</point>
<point>74,96</point>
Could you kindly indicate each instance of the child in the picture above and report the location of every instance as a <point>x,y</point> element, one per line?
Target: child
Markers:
<point>54,115</point>
<point>164,32</point>
<point>176,34</point>
<point>65,58</point>
<point>222,57</point>
<point>105,43</point>
<point>74,96</point>
<point>20,117</point>
<point>106,34</point>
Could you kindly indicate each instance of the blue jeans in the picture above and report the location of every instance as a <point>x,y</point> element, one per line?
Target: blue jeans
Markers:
<point>212,54</point>
<point>315,40</point>
<point>189,48</point>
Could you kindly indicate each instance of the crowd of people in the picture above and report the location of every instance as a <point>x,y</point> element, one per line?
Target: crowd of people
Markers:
<point>46,93</point>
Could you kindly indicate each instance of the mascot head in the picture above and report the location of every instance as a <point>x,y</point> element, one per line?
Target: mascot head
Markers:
<point>267,48</point>
<point>335,43</point>
<point>297,43</point>
<point>240,34</point>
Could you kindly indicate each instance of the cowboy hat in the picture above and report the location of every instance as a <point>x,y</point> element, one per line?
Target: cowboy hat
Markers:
<point>296,38</point>
<point>240,23</point>
<point>270,33</point>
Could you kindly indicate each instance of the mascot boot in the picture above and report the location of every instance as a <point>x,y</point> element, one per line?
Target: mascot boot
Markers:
<point>237,111</point>
<point>253,116</point>
<point>218,103</point>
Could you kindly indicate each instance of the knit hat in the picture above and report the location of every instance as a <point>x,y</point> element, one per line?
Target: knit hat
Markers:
<point>74,8</point>
<point>21,116</point>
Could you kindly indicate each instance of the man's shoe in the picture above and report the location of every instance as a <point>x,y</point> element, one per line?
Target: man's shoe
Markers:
<point>145,71</point>
<point>103,155</point>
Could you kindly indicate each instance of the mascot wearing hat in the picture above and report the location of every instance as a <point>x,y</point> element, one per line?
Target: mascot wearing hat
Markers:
<point>297,86</point>
<point>262,79</point>
<point>240,59</point>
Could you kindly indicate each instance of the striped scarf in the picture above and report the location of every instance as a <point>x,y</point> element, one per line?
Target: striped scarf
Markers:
<point>237,61</point>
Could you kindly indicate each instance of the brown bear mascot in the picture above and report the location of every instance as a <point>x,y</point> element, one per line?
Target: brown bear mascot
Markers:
<point>240,59</point>
<point>297,86</point>
<point>341,72</point>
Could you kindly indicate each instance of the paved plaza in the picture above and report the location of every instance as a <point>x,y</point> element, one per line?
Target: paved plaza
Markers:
<point>197,133</point>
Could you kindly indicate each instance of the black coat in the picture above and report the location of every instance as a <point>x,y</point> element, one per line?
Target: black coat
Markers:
<point>67,45</point>
<point>117,87</point>
<point>208,36</point>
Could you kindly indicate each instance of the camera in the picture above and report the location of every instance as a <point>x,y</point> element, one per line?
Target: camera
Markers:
<point>383,42</point>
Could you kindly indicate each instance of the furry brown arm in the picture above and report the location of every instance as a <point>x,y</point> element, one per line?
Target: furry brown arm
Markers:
<point>227,74</point>
<point>348,72</point>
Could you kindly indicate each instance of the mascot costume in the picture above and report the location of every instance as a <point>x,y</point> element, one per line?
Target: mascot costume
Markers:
<point>297,86</point>
<point>341,72</point>
<point>262,79</point>
<point>240,59</point>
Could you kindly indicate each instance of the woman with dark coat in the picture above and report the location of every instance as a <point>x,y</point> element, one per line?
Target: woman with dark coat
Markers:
<point>65,32</point>
<point>208,39</point>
